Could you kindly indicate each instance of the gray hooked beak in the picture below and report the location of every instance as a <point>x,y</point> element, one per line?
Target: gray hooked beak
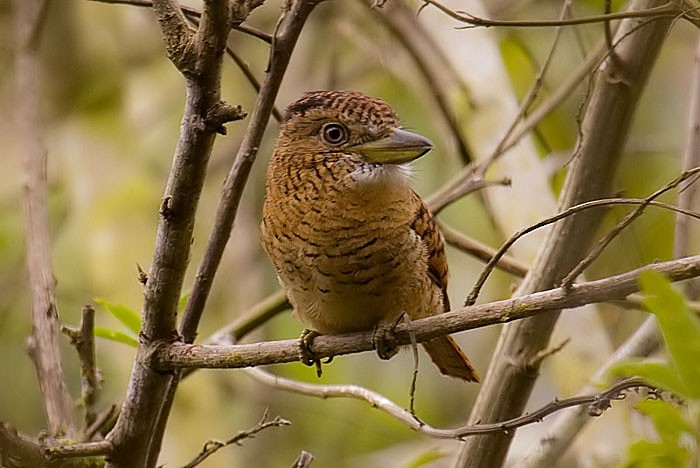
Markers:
<point>396,147</point>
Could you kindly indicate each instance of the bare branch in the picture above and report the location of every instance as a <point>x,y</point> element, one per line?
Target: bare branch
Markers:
<point>84,342</point>
<point>191,13</point>
<point>178,36</point>
<point>495,259</point>
<point>167,356</point>
<point>42,344</point>
<point>667,10</point>
<point>470,178</point>
<point>403,24</point>
<point>600,246</point>
<point>585,402</point>
<point>199,58</point>
<point>85,449</point>
<point>101,422</point>
<point>254,317</point>
<point>481,251</point>
<point>687,198</point>
<point>304,460</point>
<point>283,45</point>
<point>616,90</point>
<point>213,446</point>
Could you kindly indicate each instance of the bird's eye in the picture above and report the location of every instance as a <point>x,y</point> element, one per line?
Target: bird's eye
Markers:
<point>334,134</point>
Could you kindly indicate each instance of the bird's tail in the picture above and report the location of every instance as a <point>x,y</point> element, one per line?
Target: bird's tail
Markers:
<point>450,359</point>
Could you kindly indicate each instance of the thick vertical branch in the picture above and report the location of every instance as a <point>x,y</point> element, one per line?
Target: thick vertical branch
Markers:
<point>198,56</point>
<point>688,197</point>
<point>645,340</point>
<point>280,54</point>
<point>606,123</point>
<point>43,342</point>
<point>282,47</point>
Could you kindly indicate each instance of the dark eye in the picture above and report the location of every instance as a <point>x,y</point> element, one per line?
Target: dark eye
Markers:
<point>334,134</point>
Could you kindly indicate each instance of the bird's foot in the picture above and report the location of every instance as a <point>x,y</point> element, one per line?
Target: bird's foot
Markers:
<point>306,355</point>
<point>384,340</point>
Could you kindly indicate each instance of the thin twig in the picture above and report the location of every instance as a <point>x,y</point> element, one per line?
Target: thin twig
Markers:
<point>474,293</point>
<point>471,178</point>
<point>529,97</point>
<point>101,422</point>
<point>241,64</point>
<point>468,180</point>
<point>167,356</point>
<point>213,446</point>
<point>560,435</point>
<point>602,243</point>
<point>481,251</point>
<point>245,69</point>
<point>84,341</point>
<point>303,460</point>
<point>592,401</point>
<point>194,13</point>
<point>254,317</point>
<point>405,27</point>
<point>668,10</point>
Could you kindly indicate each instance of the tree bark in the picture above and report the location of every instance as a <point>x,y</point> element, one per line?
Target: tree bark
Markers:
<point>617,87</point>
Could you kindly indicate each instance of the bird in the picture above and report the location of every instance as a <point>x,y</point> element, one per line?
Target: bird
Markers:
<point>354,247</point>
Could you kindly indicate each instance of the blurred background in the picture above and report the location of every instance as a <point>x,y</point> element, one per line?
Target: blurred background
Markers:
<point>112,104</point>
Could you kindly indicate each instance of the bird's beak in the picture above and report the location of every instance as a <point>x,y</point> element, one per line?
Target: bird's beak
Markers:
<point>396,147</point>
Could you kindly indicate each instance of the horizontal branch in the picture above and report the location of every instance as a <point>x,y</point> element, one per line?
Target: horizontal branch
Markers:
<point>165,355</point>
<point>79,450</point>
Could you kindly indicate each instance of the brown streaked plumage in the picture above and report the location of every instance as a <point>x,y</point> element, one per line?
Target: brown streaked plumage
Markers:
<point>353,245</point>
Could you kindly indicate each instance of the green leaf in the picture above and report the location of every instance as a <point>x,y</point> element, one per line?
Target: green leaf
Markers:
<point>646,454</point>
<point>680,327</point>
<point>667,418</point>
<point>656,373</point>
<point>124,314</point>
<point>183,302</point>
<point>116,335</point>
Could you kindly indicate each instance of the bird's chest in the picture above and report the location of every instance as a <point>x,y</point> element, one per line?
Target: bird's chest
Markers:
<point>349,262</point>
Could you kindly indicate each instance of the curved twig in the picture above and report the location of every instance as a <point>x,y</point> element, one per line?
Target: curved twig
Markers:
<point>597,403</point>
<point>471,298</point>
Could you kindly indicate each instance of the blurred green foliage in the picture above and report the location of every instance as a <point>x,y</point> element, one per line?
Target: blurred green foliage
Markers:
<point>677,425</point>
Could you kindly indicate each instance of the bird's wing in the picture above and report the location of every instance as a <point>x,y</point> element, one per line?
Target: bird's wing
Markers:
<point>425,226</point>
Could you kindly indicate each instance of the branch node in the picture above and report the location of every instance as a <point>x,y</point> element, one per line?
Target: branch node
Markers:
<point>222,113</point>
<point>534,363</point>
<point>166,210</point>
<point>142,276</point>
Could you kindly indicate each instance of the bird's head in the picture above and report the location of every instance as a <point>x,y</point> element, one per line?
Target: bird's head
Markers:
<point>348,124</point>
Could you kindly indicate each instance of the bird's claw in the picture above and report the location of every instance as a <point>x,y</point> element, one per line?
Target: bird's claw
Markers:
<point>384,340</point>
<point>306,355</point>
